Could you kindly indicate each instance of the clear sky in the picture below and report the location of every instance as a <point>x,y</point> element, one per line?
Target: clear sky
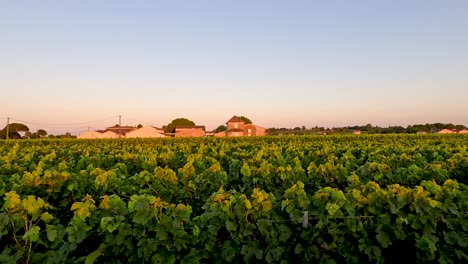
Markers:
<point>280,63</point>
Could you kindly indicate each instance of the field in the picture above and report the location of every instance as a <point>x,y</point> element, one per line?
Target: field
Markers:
<point>291,199</point>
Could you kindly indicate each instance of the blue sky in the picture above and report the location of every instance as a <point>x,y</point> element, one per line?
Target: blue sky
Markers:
<point>281,63</point>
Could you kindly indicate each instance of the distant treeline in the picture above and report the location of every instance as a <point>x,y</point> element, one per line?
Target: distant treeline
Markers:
<point>367,129</point>
<point>14,131</point>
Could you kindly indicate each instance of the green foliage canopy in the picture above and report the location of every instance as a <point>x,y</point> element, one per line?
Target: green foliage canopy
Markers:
<point>369,199</point>
<point>220,128</point>
<point>16,127</point>
<point>245,119</point>
<point>13,130</point>
<point>170,128</point>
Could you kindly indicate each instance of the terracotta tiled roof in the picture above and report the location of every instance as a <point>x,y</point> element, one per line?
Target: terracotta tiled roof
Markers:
<point>186,127</point>
<point>235,119</point>
<point>117,127</point>
<point>123,129</point>
<point>183,128</point>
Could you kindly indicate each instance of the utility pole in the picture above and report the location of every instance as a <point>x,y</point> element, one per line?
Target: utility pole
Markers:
<point>120,125</point>
<point>8,128</point>
<point>227,129</point>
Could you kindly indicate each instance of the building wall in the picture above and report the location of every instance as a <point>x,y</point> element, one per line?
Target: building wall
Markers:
<point>236,134</point>
<point>194,132</point>
<point>182,128</point>
<point>250,130</point>
<point>253,130</point>
<point>260,131</point>
<point>235,125</point>
<point>220,134</point>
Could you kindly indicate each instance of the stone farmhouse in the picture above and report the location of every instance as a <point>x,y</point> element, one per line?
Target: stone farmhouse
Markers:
<point>237,128</point>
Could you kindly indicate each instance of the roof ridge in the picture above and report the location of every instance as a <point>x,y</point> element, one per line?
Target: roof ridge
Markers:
<point>235,119</point>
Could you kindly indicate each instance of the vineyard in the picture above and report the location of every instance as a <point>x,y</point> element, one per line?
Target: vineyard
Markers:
<point>292,199</point>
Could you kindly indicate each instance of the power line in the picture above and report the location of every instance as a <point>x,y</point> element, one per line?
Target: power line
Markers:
<point>8,128</point>
<point>120,126</point>
<point>139,121</point>
<point>70,124</point>
<point>70,127</point>
<point>76,126</point>
<point>79,123</point>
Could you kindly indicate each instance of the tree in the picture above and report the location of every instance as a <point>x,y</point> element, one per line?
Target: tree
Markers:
<point>139,126</point>
<point>41,133</point>
<point>66,135</point>
<point>170,128</point>
<point>245,119</point>
<point>17,127</point>
<point>368,127</point>
<point>220,128</point>
<point>13,130</point>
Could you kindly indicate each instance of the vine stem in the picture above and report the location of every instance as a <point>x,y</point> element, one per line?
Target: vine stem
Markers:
<point>28,226</point>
